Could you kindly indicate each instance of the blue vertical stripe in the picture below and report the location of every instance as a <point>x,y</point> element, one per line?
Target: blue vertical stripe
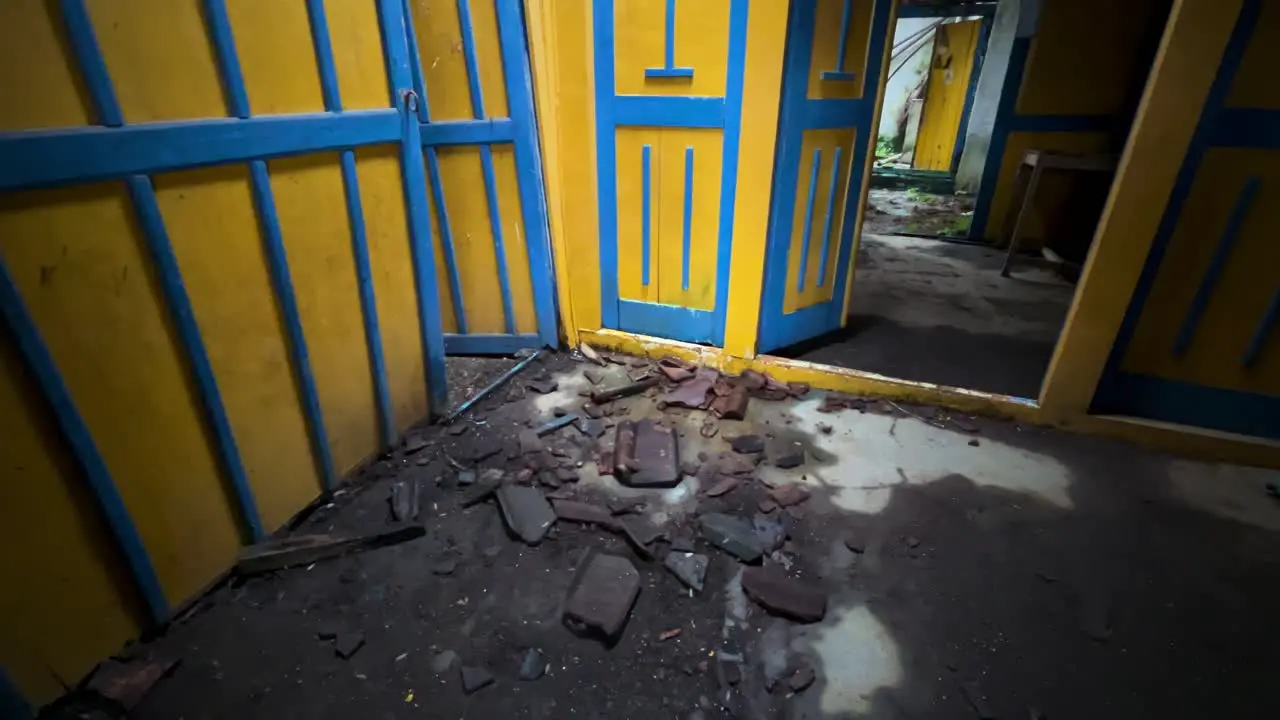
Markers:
<point>729,165</point>
<point>1209,283</point>
<point>73,426</point>
<point>606,161</point>
<point>844,32</point>
<point>224,47</point>
<point>486,164</point>
<point>645,212</point>
<point>669,58</point>
<point>1263,332</point>
<point>808,220</point>
<point>282,281</point>
<point>1005,112</point>
<point>84,44</point>
<point>688,217</point>
<point>826,222</point>
<point>324,55</point>
<point>368,300</point>
<point>533,198</point>
<point>414,60</point>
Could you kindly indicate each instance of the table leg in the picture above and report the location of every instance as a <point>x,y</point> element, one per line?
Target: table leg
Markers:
<point>1028,199</point>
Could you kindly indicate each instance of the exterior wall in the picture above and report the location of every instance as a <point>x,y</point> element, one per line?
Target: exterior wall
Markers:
<point>1005,29</point>
<point>955,52</point>
<point>907,72</point>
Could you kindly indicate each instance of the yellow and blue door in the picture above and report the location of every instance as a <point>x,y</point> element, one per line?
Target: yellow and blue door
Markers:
<point>1198,345</point>
<point>831,82</point>
<point>669,86</point>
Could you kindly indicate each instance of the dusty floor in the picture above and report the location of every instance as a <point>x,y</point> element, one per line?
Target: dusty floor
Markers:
<point>892,212</point>
<point>1004,572</point>
<point>939,312</point>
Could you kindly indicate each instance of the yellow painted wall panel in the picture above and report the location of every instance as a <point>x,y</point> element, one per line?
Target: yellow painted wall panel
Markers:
<point>1085,56</point>
<point>159,57</point>
<point>630,211</point>
<point>277,58</point>
<point>37,82</point>
<point>69,602</point>
<point>517,240</point>
<point>76,257</point>
<point>309,199</point>
<point>1053,186</point>
<point>444,62</point>
<point>395,292</point>
<point>210,218</point>
<point>357,54</point>
<point>702,43</point>
<point>817,287</point>
<point>462,179</point>
<point>1255,83</point>
<point>825,55</point>
<point>1242,292</point>
<point>948,85</point>
<point>704,235</point>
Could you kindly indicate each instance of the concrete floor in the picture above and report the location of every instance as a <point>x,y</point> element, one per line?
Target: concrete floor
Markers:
<point>939,312</point>
<point>1006,572</point>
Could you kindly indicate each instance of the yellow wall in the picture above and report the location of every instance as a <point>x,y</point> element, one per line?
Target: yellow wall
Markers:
<point>955,49</point>
<point>80,262</point>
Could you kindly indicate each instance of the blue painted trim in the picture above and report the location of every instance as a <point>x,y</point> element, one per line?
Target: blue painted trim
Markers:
<point>646,213</point>
<point>844,43</point>
<point>803,324</point>
<point>667,110</point>
<point>1247,127</point>
<point>1263,332</point>
<point>368,300</point>
<point>184,320</point>
<point>396,43</point>
<point>667,321</point>
<point>324,56</point>
<point>446,242</point>
<point>468,132</point>
<point>414,60</point>
<point>224,48</point>
<point>41,364</point>
<point>980,58</point>
<point>485,344</point>
<point>985,9</point>
<point>1213,273</point>
<point>606,160</point>
<point>1187,403</point>
<point>826,221</point>
<point>831,114</point>
<point>687,239</point>
<point>669,69</point>
<point>78,155</point>
<point>1182,185</point>
<point>729,164</point>
<point>470,58</point>
<point>533,196</point>
<point>838,76</point>
<point>13,705</point>
<point>93,68</point>
<point>1005,112</point>
<point>808,220</point>
<point>499,244</point>
<point>282,282</point>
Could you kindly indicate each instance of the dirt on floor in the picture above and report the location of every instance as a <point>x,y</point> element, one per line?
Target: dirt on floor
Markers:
<point>914,212</point>
<point>928,565</point>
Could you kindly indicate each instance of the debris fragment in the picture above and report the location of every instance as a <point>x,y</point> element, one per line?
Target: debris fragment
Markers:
<point>640,534</point>
<point>459,428</point>
<point>747,444</point>
<point>736,464</point>
<point>475,679</point>
<point>964,424</point>
<point>590,353</point>
<point>732,406</point>
<point>445,566</point>
<point>781,595</point>
<point>600,599</point>
<point>559,422</point>
<point>789,494</point>
<point>606,396</point>
<point>666,635</point>
<point>798,389</point>
<point>690,468</point>
<point>605,463</point>
<point>675,374</point>
<point>586,513</point>
<point>542,385</point>
<point>912,541</point>
<point>593,376</point>
<point>690,394</point>
<point>478,493</point>
<point>855,543</point>
<point>530,442</point>
<point>725,486</point>
<point>835,402</point>
<point>708,429</point>
<point>348,644</point>
<point>801,679</point>
<point>731,534</point>
<point>752,380</point>
<point>533,664</point>
<point>592,428</point>
<point>592,411</point>
<point>280,553</point>
<point>769,532</point>
<point>646,455</point>
<point>404,500</point>
<point>443,662</point>
<point>824,428</point>
<point>414,443</point>
<point>526,512</point>
<point>466,477</point>
<point>623,505</point>
<point>767,505</point>
<point>786,454</point>
<point>690,568</point>
<point>128,682</point>
<point>974,443</point>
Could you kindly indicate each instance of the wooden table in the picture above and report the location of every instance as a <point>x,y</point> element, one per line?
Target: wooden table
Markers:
<point>1034,164</point>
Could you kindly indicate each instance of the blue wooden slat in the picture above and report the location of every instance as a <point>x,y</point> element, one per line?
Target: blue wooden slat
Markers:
<point>446,242</point>
<point>324,55</point>
<point>40,158</point>
<point>667,321</point>
<point>1186,403</point>
<point>606,160</point>
<point>1247,128</point>
<point>414,59</point>
<point>489,343</point>
<point>1262,332</point>
<point>93,69</point>
<point>183,314</point>
<point>645,214</point>
<point>666,110</point>
<point>533,197</point>
<point>669,73</point>
<point>839,73</point>
<point>831,114</point>
<point>103,488</point>
<point>368,301</point>
<point>224,48</point>
<point>687,240</point>
<point>808,220</point>
<point>471,59</point>
<point>669,69</point>
<point>1209,283</point>
<point>826,221</point>
<point>282,283</point>
<point>729,165</point>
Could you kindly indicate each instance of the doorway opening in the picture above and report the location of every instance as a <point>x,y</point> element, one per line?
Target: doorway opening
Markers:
<point>1038,127</point>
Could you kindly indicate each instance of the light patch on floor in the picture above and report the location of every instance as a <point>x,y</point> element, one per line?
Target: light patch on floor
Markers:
<point>1229,491</point>
<point>858,657</point>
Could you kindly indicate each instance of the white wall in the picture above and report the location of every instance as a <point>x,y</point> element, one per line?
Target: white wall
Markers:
<point>908,77</point>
